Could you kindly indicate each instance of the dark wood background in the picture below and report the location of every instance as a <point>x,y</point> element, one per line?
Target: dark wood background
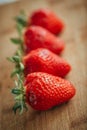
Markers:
<point>70,116</point>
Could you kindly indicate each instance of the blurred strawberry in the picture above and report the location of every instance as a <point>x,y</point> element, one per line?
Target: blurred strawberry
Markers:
<point>37,37</point>
<point>43,60</point>
<point>48,20</point>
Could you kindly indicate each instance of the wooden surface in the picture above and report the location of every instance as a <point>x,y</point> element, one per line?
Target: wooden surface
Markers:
<point>70,116</point>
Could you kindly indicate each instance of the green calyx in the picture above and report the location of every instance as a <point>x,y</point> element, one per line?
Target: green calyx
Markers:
<point>20,98</point>
<point>19,67</point>
<point>19,90</point>
<point>21,19</point>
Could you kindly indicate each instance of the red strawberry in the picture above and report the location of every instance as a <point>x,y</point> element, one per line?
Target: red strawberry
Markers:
<point>43,60</point>
<point>43,91</point>
<point>48,20</point>
<point>36,37</point>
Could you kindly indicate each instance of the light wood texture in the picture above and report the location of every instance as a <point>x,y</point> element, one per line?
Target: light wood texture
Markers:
<point>70,116</point>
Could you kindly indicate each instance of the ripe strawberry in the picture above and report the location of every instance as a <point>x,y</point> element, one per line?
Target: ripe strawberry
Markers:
<point>43,91</point>
<point>36,37</point>
<point>43,60</point>
<point>48,20</point>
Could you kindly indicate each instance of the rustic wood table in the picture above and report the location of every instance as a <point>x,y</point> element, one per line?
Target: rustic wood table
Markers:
<point>70,116</point>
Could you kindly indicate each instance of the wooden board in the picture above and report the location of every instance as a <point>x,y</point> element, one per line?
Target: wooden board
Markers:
<point>70,116</point>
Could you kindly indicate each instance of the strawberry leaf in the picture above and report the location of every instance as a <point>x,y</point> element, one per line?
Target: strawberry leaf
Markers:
<point>16,58</point>
<point>15,71</point>
<point>16,40</point>
<point>16,91</point>
<point>19,28</point>
<point>21,66</point>
<point>21,19</point>
<point>19,90</point>
<point>16,107</point>
<point>10,59</point>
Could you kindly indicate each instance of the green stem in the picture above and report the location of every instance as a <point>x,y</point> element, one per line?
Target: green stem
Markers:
<point>19,90</point>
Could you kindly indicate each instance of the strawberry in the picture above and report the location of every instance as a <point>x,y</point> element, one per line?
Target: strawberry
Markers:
<point>43,91</point>
<point>48,20</point>
<point>43,60</point>
<point>36,37</point>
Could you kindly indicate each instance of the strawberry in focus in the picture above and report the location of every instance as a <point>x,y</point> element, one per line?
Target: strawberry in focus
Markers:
<point>43,60</point>
<point>48,20</point>
<point>43,91</point>
<point>38,37</point>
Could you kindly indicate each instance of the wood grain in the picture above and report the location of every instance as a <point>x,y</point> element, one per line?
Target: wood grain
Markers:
<point>69,116</point>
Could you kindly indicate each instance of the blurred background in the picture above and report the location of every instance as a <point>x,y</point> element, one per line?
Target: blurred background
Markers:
<point>10,8</point>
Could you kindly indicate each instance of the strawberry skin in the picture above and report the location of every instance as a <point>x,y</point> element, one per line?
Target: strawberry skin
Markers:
<point>37,37</point>
<point>48,20</point>
<point>43,60</point>
<point>43,91</point>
